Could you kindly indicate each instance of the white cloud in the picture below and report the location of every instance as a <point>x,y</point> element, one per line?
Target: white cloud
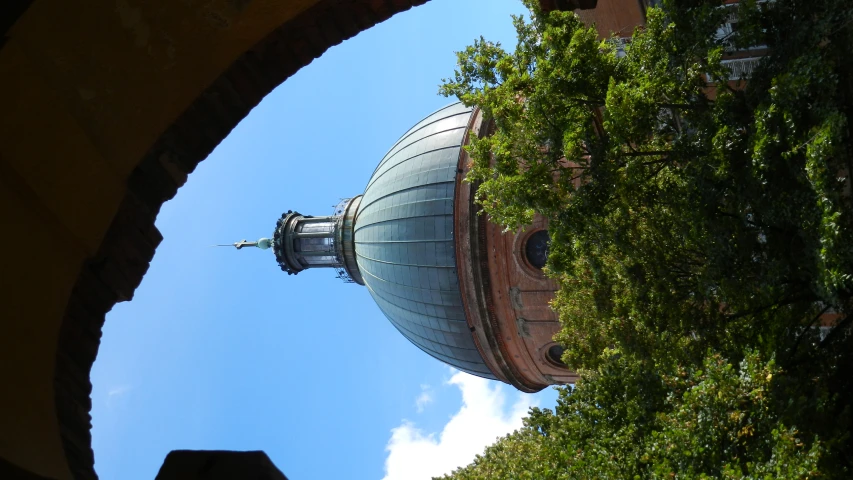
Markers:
<point>116,392</point>
<point>483,417</point>
<point>424,399</point>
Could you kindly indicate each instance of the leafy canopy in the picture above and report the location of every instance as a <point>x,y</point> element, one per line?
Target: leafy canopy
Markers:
<point>625,421</point>
<point>701,229</point>
<point>683,214</point>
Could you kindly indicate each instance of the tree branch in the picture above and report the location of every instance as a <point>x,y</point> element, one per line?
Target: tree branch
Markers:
<point>595,103</point>
<point>646,154</point>
<point>780,303</point>
<point>803,333</point>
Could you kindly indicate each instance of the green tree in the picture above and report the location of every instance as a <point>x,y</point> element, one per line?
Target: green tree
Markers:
<point>679,222</point>
<point>627,420</point>
<point>700,228</point>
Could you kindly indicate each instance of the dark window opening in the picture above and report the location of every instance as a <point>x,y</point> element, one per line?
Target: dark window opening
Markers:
<point>555,354</point>
<point>536,249</point>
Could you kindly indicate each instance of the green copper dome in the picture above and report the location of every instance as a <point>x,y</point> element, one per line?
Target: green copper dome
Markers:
<point>404,241</point>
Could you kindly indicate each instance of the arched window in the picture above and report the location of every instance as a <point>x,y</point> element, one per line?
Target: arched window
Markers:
<point>536,248</point>
<point>555,354</point>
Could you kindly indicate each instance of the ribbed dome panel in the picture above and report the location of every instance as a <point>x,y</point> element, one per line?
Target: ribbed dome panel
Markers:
<point>404,240</point>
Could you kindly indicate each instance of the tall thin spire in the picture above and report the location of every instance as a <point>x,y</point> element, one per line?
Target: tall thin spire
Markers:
<point>262,243</point>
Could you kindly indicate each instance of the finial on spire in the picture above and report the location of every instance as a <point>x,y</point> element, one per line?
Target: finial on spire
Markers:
<point>262,243</point>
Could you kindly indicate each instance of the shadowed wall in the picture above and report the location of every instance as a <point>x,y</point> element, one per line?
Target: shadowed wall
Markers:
<point>107,107</point>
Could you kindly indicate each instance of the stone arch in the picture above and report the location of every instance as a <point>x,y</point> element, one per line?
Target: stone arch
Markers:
<point>95,208</point>
<point>115,271</point>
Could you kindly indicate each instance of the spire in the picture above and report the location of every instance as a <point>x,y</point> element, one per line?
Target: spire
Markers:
<point>262,243</point>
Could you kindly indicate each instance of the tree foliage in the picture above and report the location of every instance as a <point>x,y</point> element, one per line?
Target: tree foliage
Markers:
<point>699,224</point>
<point>677,220</point>
<point>628,421</point>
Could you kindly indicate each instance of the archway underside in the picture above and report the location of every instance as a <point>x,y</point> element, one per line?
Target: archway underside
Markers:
<point>108,107</point>
<point>117,269</point>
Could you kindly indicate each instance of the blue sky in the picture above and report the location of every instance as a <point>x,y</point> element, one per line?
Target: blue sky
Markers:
<point>221,350</point>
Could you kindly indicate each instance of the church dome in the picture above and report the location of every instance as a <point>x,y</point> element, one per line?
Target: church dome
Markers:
<point>404,241</point>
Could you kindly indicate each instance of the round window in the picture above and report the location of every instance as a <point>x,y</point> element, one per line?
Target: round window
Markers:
<point>536,249</point>
<point>555,354</point>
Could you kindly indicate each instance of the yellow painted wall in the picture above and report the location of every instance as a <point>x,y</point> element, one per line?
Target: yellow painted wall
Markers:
<point>86,87</point>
